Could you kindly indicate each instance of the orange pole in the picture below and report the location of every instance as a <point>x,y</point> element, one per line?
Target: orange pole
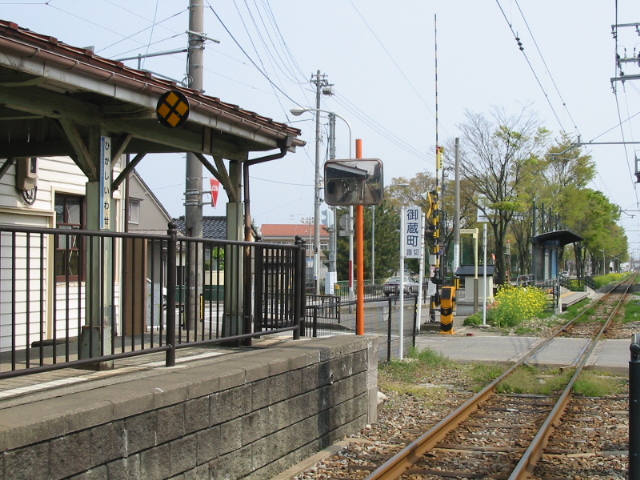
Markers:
<point>359,257</point>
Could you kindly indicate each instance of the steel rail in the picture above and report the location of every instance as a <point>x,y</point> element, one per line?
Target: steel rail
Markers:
<point>534,452</point>
<point>407,457</point>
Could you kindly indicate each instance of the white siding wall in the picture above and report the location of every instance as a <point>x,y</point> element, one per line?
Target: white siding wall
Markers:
<point>32,309</point>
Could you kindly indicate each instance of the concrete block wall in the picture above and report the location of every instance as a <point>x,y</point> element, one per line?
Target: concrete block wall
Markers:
<point>247,415</point>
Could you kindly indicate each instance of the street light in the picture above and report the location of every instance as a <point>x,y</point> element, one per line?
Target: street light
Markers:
<point>316,205</point>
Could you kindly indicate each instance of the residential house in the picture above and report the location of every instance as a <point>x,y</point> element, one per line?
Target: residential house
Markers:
<point>47,192</point>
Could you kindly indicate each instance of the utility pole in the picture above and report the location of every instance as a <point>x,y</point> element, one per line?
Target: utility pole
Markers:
<point>320,81</point>
<point>456,218</point>
<point>193,184</point>
<point>193,192</point>
<point>333,228</point>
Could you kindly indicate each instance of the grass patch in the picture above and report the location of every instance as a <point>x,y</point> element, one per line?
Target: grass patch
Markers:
<point>480,374</point>
<point>631,312</point>
<point>599,384</point>
<point>428,375</point>
<point>603,280</point>
<point>573,310</point>
<point>587,316</point>
<point>531,380</point>
<point>525,330</point>
<point>416,368</point>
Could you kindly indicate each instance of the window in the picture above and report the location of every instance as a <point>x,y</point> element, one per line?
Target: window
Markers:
<point>134,211</point>
<point>69,250</point>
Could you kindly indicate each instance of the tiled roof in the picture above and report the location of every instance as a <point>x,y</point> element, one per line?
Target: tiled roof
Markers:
<point>271,230</point>
<point>212,227</point>
<point>84,60</point>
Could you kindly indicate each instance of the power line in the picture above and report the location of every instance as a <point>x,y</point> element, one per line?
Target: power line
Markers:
<point>378,128</point>
<point>278,62</point>
<point>153,25</point>
<point>263,73</point>
<point>547,68</point>
<point>282,40</point>
<point>392,59</point>
<point>546,96</point>
<point>631,174</point>
<point>305,185</point>
<point>614,127</point>
<point>130,37</point>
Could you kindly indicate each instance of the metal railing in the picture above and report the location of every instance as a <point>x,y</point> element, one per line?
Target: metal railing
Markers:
<point>69,298</point>
<point>372,292</point>
<point>323,315</point>
<point>328,315</point>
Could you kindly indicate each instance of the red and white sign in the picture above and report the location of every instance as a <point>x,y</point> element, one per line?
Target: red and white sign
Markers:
<point>215,189</point>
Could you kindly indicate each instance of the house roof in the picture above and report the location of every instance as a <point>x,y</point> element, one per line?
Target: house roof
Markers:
<point>470,270</point>
<point>214,228</point>
<point>151,195</point>
<point>558,237</point>
<point>270,230</point>
<point>59,81</point>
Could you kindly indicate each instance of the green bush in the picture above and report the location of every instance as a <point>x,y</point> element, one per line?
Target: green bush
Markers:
<point>512,305</point>
<point>473,320</point>
<point>603,280</point>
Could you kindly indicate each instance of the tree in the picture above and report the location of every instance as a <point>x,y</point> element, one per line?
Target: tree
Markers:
<point>387,242</point>
<point>592,216</point>
<point>496,153</point>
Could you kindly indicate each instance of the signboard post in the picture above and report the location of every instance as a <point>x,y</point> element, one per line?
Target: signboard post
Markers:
<point>410,233</point>
<point>483,217</point>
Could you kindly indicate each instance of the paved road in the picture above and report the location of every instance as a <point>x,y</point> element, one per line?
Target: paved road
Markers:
<point>609,355</point>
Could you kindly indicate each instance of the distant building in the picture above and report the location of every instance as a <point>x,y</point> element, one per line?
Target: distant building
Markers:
<point>144,211</point>
<point>285,233</point>
<point>213,227</point>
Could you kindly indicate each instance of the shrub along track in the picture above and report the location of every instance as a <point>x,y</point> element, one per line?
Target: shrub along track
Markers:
<point>494,442</point>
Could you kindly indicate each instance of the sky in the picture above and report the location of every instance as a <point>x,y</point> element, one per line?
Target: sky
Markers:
<point>380,58</point>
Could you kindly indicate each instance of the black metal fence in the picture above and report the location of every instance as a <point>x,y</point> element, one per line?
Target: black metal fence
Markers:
<point>328,315</point>
<point>73,297</point>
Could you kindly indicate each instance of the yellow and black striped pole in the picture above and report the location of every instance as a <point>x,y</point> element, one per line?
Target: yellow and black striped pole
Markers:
<point>447,308</point>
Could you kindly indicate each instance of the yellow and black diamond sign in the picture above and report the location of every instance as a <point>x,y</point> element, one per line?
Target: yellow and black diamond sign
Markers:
<point>172,109</point>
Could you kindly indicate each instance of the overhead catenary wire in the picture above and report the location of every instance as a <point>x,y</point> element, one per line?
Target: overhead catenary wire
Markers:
<point>614,127</point>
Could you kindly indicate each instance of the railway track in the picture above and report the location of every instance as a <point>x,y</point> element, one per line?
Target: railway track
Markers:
<point>501,436</point>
